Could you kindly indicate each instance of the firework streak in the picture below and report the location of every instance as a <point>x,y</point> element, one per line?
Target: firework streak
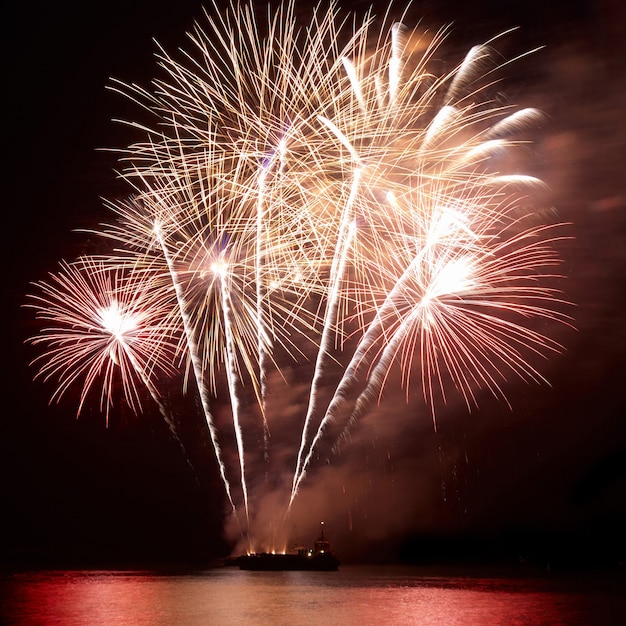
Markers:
<point>312,194</point>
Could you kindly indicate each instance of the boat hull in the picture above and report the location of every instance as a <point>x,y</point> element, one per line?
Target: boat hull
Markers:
<point>288,562</point>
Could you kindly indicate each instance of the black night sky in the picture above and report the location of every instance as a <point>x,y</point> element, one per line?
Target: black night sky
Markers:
<point>545,480</point>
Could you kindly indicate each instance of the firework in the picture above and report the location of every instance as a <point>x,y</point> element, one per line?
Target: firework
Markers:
<point>320,194</point>
<point>104,325</point>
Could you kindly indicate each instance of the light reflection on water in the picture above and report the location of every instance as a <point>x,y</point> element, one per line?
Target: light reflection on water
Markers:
<point>353,596</point>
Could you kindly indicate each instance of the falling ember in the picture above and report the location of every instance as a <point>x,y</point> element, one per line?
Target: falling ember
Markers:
<point>345,208</point>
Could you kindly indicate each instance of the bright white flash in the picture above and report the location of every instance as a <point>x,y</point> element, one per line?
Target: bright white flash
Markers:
<point>220,268</point>
<point>455,277</point>
<point>116,321</point>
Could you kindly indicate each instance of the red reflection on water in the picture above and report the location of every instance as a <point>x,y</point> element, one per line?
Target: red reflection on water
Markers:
<point>465,607</point>
<point>347,598</point>
<point>78,598</point>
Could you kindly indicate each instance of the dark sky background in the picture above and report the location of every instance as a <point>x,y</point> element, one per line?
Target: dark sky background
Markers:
<point>546,479</point>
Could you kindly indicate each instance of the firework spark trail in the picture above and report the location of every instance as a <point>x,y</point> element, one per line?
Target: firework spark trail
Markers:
<point>262,338</point>
<point>395,61</point>
<point>264,316</point>
<point>233,379</point>
<point>346,235</point>
<point>323,351</point>
<point>197,367</point>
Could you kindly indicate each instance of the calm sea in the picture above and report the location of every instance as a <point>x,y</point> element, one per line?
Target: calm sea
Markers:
<point>352,596</point>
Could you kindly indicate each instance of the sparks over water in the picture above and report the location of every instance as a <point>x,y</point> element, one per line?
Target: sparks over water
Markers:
<point>314,195</point>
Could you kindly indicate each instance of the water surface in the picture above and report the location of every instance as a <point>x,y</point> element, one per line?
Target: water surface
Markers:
<point>356,596</point>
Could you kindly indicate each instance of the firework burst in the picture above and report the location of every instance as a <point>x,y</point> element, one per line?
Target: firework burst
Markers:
<point>304,191</point>
<point>104,329</point>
